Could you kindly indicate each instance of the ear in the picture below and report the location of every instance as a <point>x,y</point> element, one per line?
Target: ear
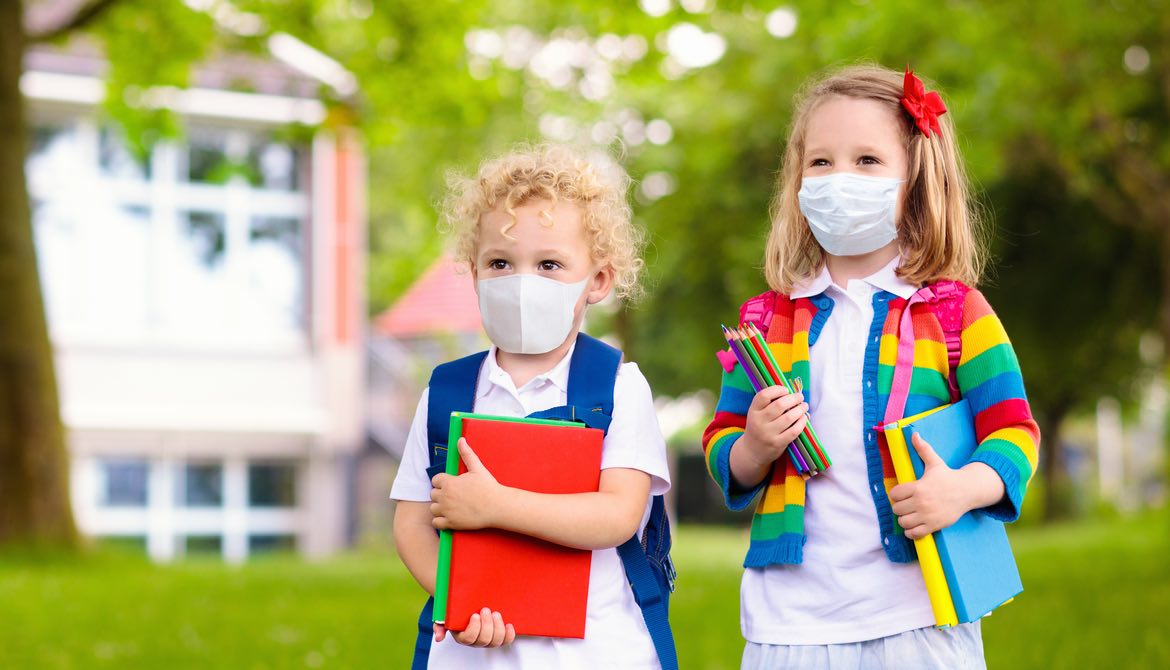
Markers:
<point>600,285</point>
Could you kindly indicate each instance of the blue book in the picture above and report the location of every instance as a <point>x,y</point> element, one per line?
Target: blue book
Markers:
<point>976,557</point>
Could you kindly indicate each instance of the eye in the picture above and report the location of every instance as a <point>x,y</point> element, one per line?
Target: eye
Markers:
<point>498,264</point>
<point>818,162</point>
<point>549,266</point>
<point>869,160</point>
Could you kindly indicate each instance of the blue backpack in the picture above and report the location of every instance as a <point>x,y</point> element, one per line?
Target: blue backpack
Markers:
<point>592,372</point>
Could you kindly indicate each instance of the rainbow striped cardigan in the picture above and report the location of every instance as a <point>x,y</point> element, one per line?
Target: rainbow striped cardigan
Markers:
<point>988,376</point>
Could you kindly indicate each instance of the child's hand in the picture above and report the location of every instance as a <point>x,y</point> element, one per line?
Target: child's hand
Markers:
<point>485,629</point>
<point>935,501</point>
<point>774,419</point>
<point>464,502</point>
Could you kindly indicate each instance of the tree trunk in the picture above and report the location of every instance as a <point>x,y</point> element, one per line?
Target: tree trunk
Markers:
<point>1057,498</point>
<point>34,464</point>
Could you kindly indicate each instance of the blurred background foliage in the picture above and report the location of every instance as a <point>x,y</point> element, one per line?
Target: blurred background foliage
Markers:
<point>1062,111</point>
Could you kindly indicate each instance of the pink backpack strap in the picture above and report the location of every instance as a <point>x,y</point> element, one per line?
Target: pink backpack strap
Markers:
<point>948,309</point>
<point>946,301</point>
<point>758,310</point>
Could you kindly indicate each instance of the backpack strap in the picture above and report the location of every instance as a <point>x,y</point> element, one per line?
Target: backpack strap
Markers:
<point>759,309</point>
<point>651,575</point>
<point>451,389</point>
<point>422,643</point>
<point>946,301</point>
<point>646,559</point>
<point>592,373</point>
<point>948,309</point>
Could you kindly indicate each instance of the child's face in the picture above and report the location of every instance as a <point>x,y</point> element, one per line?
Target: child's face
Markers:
<point>854,135</point>
<point>559,251</point>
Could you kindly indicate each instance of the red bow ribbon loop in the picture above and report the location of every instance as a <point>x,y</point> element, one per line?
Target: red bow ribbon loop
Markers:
<point>924,108</point>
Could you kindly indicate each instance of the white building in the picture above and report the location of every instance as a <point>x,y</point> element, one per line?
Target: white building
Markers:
<point>206,308</point>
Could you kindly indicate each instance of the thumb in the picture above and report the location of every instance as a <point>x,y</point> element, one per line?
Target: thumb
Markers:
<point>440,632</point>
<point>929,458</point>
<point>469,458</point>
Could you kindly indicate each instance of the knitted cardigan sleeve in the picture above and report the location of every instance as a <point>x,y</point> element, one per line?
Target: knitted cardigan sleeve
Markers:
<point>726,427</point>
<point>989,378</point>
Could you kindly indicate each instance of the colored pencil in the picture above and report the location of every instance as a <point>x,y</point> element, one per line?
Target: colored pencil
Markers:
<point>761,375</point>
<point>812,435</point>
<point>804,448</point>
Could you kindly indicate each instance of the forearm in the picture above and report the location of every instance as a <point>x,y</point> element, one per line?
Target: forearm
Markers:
<point>598,520</point>
<point>416,542</point>
<point>982,486</point>
<point>747,469</point>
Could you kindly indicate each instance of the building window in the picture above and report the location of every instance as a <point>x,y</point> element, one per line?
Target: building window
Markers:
<point>202,485</point>
<point>268,544</point>
<point>203,545</point>
<point>124,544</point>
<point>272,485</point>
<point>199,242</point>
<point>123,483</point>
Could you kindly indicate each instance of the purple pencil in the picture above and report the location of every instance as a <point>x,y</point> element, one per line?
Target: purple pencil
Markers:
<point>758,384</point>
<point>749,370</point>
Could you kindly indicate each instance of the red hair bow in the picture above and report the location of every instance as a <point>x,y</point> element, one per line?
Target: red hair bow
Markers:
<point>924,108</point>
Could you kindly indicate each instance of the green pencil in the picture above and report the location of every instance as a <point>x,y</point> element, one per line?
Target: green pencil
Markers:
<point>801,442</point>
<point>816,444</point>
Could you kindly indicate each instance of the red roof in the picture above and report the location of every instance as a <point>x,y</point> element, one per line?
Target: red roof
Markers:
<point>442,300</point>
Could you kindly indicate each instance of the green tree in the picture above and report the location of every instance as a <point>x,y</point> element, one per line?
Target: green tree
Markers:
<point>34,494</point>
<point>418,104</point>
<point>1073,292</point>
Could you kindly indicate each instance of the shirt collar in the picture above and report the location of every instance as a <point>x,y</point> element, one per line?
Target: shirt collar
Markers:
<point>558,374</point>
<point>886,279</point>
<point>813,286</point>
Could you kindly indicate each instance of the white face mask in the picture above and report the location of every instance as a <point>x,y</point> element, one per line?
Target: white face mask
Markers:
<point>850,214</point>
<point>528,314</point>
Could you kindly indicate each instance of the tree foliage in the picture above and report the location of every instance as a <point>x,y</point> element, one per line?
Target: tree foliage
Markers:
<point>1062,115</point>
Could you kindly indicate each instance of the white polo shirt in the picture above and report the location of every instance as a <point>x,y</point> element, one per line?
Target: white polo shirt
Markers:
<point>846,589</point>
<point>615,633</point>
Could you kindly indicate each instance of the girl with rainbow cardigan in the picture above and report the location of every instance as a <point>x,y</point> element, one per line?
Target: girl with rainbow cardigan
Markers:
<point>871,209</point>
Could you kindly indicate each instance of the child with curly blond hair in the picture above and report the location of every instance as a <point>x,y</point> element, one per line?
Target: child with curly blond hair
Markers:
<point>545,231</point>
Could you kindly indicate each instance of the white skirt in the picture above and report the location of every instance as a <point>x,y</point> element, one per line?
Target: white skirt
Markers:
<point>958,648</point>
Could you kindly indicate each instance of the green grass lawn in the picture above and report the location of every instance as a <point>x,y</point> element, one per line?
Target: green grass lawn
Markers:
<point>1097,596</point>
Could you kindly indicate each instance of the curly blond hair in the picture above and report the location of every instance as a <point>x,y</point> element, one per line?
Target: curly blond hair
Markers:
<point>941,232</point>
<point>590,179</point>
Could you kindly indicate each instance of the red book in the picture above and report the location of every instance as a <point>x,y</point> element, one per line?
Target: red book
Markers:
<point>539,587</point>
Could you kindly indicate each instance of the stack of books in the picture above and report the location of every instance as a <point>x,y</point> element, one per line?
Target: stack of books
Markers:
<point>539,587</point>
<point>968,567</point>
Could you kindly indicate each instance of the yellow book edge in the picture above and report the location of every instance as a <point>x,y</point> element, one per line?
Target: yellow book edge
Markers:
<point>932,571</point>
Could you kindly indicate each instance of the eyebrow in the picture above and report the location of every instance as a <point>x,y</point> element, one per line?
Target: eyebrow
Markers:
<point>493,251</point>
<point>864,149</point>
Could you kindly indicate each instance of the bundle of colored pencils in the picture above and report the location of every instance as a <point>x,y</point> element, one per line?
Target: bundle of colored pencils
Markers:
<point>747,343</point>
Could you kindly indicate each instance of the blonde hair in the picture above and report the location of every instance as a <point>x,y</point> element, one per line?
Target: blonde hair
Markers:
<point>590,179</point>
<point>940,230</point>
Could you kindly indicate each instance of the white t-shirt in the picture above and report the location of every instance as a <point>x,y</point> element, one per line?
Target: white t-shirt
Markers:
<point>615,633</point>
<point>846,589</point>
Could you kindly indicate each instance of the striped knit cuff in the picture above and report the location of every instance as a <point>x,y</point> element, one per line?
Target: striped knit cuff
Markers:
<point>735,497</point>
<point>1006,510</point>
<point>788,549</point>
